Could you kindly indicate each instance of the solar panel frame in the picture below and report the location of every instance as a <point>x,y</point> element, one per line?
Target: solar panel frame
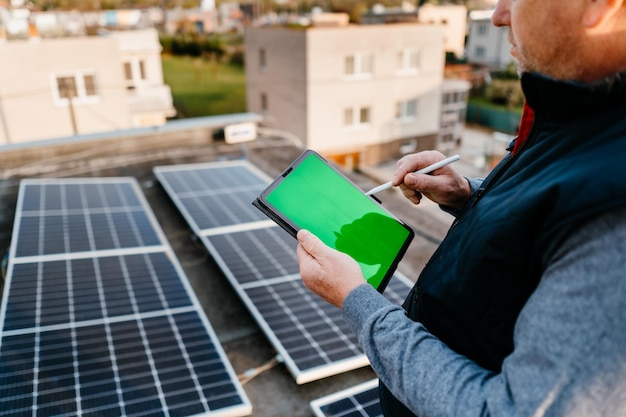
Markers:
<point>192,346</point>
<point>350,402</point>
<point>239,270</point>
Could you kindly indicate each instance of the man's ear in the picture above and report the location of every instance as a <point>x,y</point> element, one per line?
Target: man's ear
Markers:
<point>599,11</point>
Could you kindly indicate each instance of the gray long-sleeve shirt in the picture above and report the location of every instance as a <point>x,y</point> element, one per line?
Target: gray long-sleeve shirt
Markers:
<point>569,358</point>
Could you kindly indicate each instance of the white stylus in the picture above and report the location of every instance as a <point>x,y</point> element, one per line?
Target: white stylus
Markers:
<point>425,170</point>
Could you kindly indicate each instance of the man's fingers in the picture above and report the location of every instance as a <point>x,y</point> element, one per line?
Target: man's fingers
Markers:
<point>413,162</point>
<point>413,195</point>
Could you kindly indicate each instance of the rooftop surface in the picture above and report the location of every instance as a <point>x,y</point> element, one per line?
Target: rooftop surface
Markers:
<point>273,392</point>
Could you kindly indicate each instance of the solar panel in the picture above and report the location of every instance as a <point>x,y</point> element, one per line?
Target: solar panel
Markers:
<point>97,316</point>
<point>259,260</point>
<point>89,218</point>
<point>216,195</point>
<point>359,401</point>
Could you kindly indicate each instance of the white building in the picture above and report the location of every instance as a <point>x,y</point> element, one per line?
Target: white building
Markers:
<point>149,99</point>
<point>230,17</point>
<point>68,86</point>
<point>357,94</point>
<point>486,43</point>
<point>454,19</point>
<point>453,113</point>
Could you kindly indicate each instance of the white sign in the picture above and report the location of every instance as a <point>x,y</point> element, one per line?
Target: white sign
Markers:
<point>241,132</point>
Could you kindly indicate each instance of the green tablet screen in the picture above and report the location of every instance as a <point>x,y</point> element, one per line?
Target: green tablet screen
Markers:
<point>314,196</point>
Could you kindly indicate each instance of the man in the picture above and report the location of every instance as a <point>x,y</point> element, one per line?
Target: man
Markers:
<point>521,311</point>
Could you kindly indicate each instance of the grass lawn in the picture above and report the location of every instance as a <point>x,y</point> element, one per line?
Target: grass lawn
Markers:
<point>203,88</point>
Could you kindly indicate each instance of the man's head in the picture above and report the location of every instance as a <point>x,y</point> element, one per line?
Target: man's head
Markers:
<point>582,40</point>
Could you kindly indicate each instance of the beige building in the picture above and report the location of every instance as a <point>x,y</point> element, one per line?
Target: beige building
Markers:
<point>68,86</point>
<point>149,99</point>
<point>357,94</point>
<point>453,113</point>
<point>454,19</point>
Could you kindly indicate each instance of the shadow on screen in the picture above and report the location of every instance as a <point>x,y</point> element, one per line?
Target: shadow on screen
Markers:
<point>368,239</point>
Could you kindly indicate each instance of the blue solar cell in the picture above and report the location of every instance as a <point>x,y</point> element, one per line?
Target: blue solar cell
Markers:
<point>313,332</point>
<point>338,408</point>
<point>216,210</point>
<point>258,254</point>
<point>52,234</point>
<point>142,355</point>
<point>218,176</point>
<point>359,401</point>
<point>17,363</point>
<point>86,288</point>
<point>53,196</point>
<point>31,198</point>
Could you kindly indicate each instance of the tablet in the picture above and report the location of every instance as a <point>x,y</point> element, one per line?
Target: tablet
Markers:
<point>313,194</point>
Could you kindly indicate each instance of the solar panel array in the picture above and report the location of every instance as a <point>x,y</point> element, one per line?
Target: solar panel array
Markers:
<point>359,401</point>
<point>97,316</point>
<point>259,260</point>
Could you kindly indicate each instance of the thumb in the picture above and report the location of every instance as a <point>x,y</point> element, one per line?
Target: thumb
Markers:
<point>421,182</point>
<point>309,242</point>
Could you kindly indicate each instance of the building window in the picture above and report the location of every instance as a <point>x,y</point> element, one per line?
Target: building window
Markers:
<point>480,52</point>
<point>348,117</point>
<point>408,60</point>
<point>80,87</point>
<point>135,73</point>
<point>462,115</point>
<point>263,101</point>
<point>349,65</point>
<point>483,29</point>
<point>90,85</point>
<point>356,116</point>
<point>67,87</point>
<point>406,110</point>
<point>128,71</point>
<point>364,115</point>
<point>262,58</point>
<point>359,64</point>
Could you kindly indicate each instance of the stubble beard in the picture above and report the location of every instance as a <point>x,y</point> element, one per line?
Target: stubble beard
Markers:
<point>561,62</point>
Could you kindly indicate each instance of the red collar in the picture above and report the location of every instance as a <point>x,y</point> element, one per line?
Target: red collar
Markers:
<point>526,124</point>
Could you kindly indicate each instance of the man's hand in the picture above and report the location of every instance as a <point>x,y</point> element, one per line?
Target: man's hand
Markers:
<point>443,186</point>
<point>330,274</point>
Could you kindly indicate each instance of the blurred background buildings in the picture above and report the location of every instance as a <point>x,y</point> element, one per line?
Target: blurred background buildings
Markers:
<point>362,92</point>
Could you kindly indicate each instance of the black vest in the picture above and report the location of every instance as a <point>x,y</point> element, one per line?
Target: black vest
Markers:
<point>571,168</point>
